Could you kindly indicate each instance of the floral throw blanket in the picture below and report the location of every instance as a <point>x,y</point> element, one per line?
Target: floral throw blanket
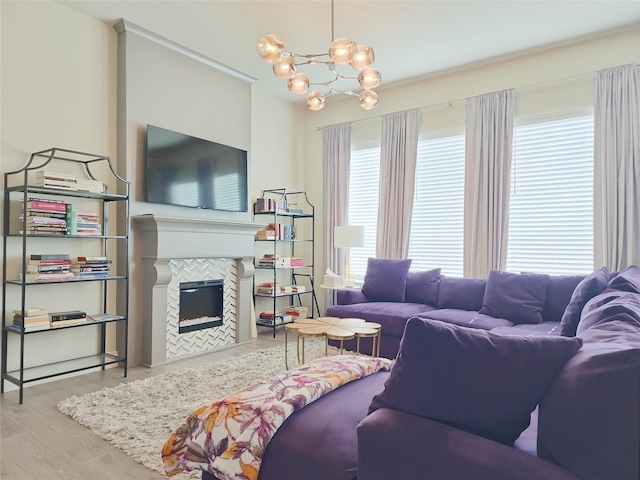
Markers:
<point>228,437</point>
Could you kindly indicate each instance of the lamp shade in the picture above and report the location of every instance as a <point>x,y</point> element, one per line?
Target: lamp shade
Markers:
<point>348,236</point>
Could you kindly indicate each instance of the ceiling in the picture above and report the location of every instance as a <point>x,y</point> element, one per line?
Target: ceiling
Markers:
<point>412,39</point>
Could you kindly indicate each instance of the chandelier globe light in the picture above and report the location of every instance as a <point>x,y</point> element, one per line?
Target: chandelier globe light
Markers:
<point>342,51</point>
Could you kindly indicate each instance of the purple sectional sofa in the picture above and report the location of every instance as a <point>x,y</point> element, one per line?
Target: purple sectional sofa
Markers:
<point>458,401</point>
<point>533,303</point>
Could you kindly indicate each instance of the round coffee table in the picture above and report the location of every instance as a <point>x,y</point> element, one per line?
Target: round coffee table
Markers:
<point>333,328</point>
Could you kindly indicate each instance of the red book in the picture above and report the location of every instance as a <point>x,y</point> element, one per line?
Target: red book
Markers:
<point>51,206</point>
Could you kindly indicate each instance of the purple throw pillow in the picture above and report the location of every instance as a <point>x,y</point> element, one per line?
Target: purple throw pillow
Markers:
<point>628,280</point>
<point>386,280</point>
<point>461,293</point>
<point>517,297</point>
<point>472,379</point>
<point>422,287</point>
<point>589,287</point>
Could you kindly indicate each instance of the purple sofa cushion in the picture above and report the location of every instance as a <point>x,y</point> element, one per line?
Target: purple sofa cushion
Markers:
<point>386,280</point>
<point>589,419</point>
<point>466,318</point>
<point>559,292</point>
<point>461,293</point>
<point>589,287</point>
<point>392,316</point>
<point>422,287</point>
<point>472,379</point>
<point>529,329</point>
<point>609,307</point>
<point>628,280</point>
<point>516,297</point>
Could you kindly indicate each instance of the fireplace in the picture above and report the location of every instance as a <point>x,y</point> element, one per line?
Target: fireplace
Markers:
<point>201,305</point>
<point>177,251</point>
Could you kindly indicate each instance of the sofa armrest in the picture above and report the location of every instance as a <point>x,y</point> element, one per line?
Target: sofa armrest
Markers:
<point>349,296</point>
<point>394,444</point>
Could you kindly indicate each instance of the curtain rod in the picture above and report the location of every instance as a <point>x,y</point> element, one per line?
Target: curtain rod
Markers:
<point>459,100</point>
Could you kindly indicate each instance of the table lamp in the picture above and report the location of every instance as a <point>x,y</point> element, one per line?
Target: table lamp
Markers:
<point>347,237</point>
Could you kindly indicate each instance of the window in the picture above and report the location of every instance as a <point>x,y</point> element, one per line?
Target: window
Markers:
<point>551,206</point>
<point>364,180</point>
<point>438,211</point>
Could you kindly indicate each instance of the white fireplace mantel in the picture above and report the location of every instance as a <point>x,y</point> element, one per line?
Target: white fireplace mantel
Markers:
<point>166,239</point>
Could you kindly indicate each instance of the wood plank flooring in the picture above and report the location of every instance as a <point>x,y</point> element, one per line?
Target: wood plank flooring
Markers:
<point>39,442</point>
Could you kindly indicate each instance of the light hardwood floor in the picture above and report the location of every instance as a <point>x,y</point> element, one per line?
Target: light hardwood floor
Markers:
<point>39,442</point>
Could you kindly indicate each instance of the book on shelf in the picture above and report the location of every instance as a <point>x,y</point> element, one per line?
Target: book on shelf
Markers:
<point>298,312</point>
<point>57,268</point>
<point>49,262</point>
<point>31,320</point>
<point>54,175</point>
<point>103,317</point>
<point>89,258</point>
<point>67,315</point>
<point>31,312</point>
<point>71,218</point>
<point>46,277</point>
<point>298,288</point>
<point>46,205</point>
<point>33,327</point>
<point>50,256</point>
<point>66,323</point>
<point>90,275</point>
<point>87,185</point>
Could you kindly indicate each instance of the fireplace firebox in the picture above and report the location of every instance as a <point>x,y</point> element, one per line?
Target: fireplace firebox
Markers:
<point>201,305</point>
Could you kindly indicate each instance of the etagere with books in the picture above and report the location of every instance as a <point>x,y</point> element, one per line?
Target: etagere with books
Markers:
<point>57,203</point>
<point>284,280</point>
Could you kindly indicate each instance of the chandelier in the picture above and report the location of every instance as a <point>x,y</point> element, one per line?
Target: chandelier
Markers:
<point>342,51</point>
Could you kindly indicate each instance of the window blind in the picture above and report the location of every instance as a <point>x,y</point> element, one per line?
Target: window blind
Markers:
<point>438,212</point>
<point>364,178</point>
<point>551,205</point>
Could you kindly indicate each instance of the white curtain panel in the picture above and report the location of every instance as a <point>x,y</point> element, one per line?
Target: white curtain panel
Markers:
<point>616,219</point>
<point>397,182</point>
<point>336,157</point>
<point>489,148</point>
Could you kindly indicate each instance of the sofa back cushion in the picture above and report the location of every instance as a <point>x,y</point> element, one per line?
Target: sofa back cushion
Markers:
<point>461,293</point>
<point>559,291</point>
<point>589,419</point>
<point>422,287</point>
<point>386,280</point>
<point>610,306</point>
<point>518,297</point>
<point>589,287</point>
<point>472,379</point>
<point>628,280</point>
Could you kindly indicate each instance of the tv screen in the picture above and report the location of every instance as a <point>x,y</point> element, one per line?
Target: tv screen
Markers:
<point>191,172</point>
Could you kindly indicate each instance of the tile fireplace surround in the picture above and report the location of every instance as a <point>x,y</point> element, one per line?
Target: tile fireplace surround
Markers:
<point>188,249</point>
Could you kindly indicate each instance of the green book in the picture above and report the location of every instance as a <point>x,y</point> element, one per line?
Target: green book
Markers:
<point>72,219</point>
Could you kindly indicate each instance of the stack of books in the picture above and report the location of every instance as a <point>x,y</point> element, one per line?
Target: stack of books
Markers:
<point>45,217</point>
<point>266,233</point>
<point>274,318</point>
<point>62,181</point>
<point>32,319</point>
<point>268,288</point>
<point>87,185</point>
<point>91,268</point>
<point>52,267</point>
<point>270,260</point>
<point>88,224</point>
<point>63,319</point>
<point>297,312</point>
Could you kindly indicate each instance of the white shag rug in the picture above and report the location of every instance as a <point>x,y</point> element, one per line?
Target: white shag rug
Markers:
<point>139,416</point>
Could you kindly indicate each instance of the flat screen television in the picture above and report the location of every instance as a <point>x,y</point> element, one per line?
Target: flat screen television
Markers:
<point>191,172</point>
